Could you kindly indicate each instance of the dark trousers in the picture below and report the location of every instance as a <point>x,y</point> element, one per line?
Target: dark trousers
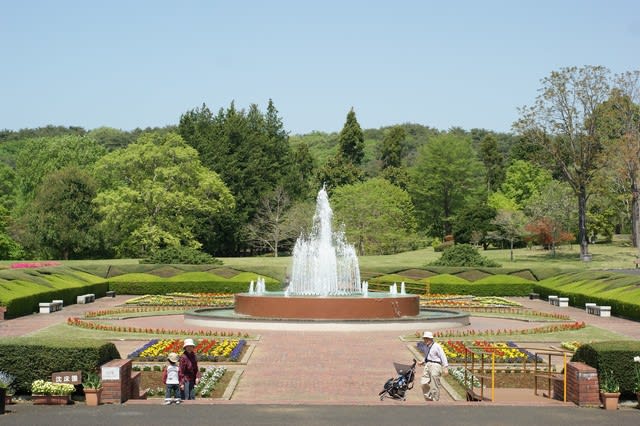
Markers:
<point>189,391</point>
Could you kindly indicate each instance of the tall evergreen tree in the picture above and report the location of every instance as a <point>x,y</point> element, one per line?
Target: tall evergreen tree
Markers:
<point>493,162</point>
<point>351,140</point>
<point>250,151</point>
<point>391,148</point>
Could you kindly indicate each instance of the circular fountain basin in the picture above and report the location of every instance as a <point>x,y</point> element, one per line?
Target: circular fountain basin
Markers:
<point>374,306</point>
<point>432,319</point>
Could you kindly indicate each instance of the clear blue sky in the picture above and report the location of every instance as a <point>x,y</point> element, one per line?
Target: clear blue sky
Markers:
<point>128,64</point>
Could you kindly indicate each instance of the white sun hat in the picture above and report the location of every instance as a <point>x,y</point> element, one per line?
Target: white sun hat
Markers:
<point>428,335</point>
<point>188,342</point>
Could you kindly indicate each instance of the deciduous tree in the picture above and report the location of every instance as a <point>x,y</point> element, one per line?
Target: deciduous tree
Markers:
<point>378,216</point>
<point>155,193</point>
<point>561,121</point>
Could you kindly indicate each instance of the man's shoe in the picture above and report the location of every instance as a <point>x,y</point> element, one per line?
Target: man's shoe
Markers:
<point>167,401</point>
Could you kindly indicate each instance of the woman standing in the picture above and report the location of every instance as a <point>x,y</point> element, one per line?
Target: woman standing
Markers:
<point>189,372</point>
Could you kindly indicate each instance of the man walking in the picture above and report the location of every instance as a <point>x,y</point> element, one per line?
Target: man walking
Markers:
<point>435,364</point>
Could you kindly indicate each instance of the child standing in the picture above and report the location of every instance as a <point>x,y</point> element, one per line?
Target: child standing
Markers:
<point>171,379</point>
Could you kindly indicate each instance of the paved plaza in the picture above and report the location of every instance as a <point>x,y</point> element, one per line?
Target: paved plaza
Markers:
<point>293,370</point>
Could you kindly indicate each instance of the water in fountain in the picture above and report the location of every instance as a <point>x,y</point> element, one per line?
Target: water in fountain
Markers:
<point>323,263</point>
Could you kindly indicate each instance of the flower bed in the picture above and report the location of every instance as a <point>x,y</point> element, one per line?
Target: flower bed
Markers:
<point>91,325</point>
<point>206,350</point>
<point>456,301</point>
<point>509,352</point>
<point>184,300</point>
<point>213,382</point>
<point>506,332</point>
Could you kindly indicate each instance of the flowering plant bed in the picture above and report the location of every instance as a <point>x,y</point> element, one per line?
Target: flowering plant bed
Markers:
<point>508,352</point>
<point>206,350</point>
<point>184,299</point>
<point>92,325</point>
<point>456,301</point>
<point>504,332</point>
<point>213,383</point>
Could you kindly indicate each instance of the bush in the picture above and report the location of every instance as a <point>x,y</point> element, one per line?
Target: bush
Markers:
<point>614,356</point>
<point>463,255</point>
<point>181,255</point>
<point>515,289</point>
<point>193,282</point>
<point>29,359</point>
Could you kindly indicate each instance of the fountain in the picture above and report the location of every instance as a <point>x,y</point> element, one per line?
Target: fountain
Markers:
<point>325,282</point>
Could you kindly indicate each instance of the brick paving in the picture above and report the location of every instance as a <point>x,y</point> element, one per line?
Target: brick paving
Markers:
<point>326,367</point>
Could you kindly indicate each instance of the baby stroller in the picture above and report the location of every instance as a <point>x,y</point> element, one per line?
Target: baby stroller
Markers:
<point>397,388</point>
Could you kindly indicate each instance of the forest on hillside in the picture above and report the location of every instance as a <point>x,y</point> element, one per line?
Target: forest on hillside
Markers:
<point>234,182</point>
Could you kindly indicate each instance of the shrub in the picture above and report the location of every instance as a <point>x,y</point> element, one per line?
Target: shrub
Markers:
<point>463,255</point>
<point>613,357</point>
<point>29,359</point>
<point>192,282</point>
<point>181,255</point>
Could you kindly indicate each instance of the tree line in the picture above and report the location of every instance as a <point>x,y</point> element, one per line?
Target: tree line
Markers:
<point>234,182</point>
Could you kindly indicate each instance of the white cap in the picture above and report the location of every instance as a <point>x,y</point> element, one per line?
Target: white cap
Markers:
<point>428,335</point>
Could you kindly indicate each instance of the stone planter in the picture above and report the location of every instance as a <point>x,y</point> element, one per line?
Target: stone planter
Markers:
<point>92,396</point>
<point>51,399</point>
<point>609,400</point>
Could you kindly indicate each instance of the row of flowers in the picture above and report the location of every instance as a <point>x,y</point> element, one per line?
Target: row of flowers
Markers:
<point>22,265</point>
<point>571,346</point>
<point>458,374</point>
<point>184,299</point>
<point>206,350</point>
<point>507,332</point>
<point>41,387</point>
<point>114,312</point>
<point>90,325</point>
<point>457,351</point>
<point>466,301</point>
<point>208,381</point>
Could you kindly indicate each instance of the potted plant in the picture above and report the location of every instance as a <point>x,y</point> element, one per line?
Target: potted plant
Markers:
<point>6,380</point>
<point>50,393</point>
<point>609,390</point>
<point>92,386</point>
<point>636,376</point>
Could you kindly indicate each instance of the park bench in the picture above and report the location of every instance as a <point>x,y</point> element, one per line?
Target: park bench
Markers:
<point>110,293</point>
<point>553,300</point>
<point>49,307</point>
<point>533,296</point>
<point>563,302</point>
<point>86,298</point>
<point>601,311</point>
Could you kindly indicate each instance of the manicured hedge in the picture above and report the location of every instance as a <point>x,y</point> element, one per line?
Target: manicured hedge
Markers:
<point>193,282</point>
<point>381,283</point>
<point>22,290</point>
<point>30,359</point>
<point>616,356</point>
<point>483,289</point>
<point>619,291</point>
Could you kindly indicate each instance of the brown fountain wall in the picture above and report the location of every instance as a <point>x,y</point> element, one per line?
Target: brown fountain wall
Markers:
<point>345,308</point>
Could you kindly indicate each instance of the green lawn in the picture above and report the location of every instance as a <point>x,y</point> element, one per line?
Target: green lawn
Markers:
<point>616,255</point>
